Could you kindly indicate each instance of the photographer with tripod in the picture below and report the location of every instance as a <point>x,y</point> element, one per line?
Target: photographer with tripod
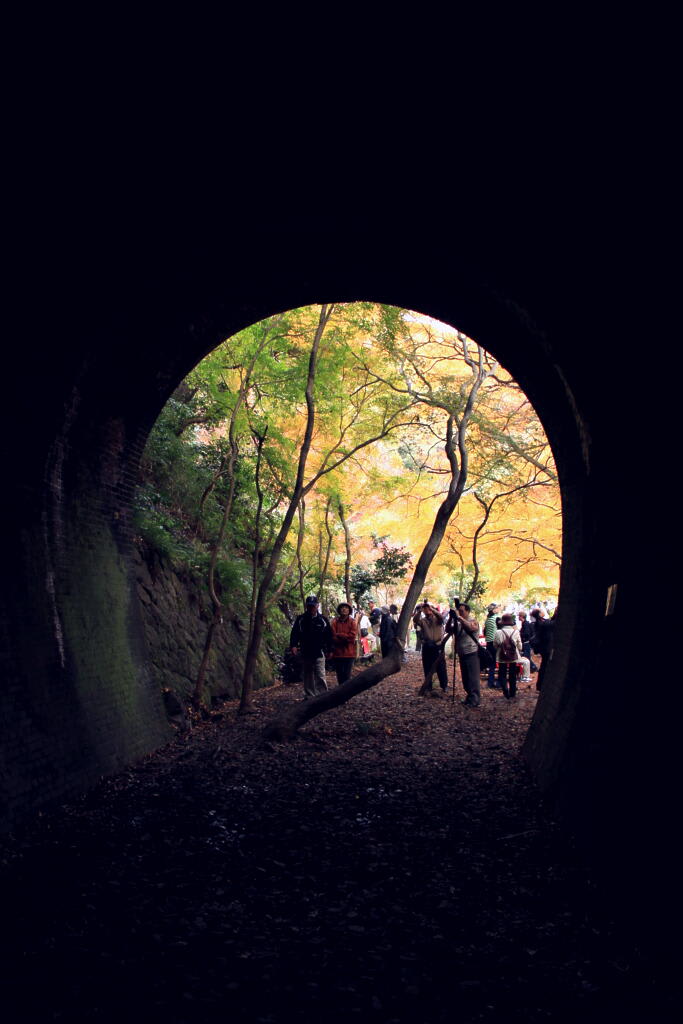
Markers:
<point>428,619</point>
<point>466,628</point>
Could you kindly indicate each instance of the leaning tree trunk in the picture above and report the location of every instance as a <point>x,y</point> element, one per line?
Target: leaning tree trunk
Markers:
<point>216,604</point>
<point>302,575</point>
<point>475,539</point>
<point>286,727</point>
<point>217,616</point>
<point>329,464</point>
<point>328,551</point>
<point>347,562</point>
<point>259,618</point>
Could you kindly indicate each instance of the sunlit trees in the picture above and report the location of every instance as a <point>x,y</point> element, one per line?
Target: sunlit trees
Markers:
<point>253,344</point>
<point>302,442</point>
<point>449,410</point>
<point>513,480</point>
<point>512,496</point>
<point>344,413</point>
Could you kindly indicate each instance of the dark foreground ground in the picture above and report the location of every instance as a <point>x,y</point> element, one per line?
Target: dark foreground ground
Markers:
<point>394,864</point>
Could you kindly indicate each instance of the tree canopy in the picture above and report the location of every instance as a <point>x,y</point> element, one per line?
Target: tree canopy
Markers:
<point>310,452</point>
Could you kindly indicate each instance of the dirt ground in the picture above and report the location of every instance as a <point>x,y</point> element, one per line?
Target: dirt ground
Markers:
<point>393,864</point>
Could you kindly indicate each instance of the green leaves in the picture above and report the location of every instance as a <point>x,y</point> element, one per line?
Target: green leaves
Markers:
<point>378,366</point>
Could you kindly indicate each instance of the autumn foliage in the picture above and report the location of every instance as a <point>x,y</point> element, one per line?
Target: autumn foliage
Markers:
<point>310,446</point>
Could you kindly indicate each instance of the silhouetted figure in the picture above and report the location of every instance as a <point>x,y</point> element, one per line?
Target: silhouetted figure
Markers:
<point>542,642</point>
<point>387,631</point>
<point>311,636</point>
<point>490,628</point>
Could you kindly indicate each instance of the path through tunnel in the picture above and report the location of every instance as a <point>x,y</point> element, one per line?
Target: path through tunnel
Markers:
<point>94,633</point>
<point>395,863</point>
<point>78,692</point>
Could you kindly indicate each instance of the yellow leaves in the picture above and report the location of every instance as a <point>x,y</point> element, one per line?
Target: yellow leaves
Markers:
<point>372,360</point>
<point>510,467</point>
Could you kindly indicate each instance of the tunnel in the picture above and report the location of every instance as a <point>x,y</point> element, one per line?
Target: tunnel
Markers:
<point>107,327</point>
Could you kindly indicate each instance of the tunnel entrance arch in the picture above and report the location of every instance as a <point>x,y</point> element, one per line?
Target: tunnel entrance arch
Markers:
<point>508,331</point>
<point>80,601</point>
<point>375,344</point>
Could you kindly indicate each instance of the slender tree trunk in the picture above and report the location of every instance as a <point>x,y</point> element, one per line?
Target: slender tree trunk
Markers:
<point>285,575</point>
<point>347,562</point>
<point>488,508</point>
<point>207,491</point>
<point>328,549</point>
<point>302,513</point>
<point>329,463</point>
<point>475,577</point>
<point>230,472</point>
<point>217,608</point>
<point>259,440</point>
<point>319,581</point>
<point>254,645</point>
<point>286,727</point>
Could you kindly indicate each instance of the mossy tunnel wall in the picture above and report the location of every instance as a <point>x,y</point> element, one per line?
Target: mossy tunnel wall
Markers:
<point>78,699</point>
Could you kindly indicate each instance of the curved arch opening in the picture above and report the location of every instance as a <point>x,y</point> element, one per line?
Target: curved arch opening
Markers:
<point>90,620</point>
<point>87,530</point>
<point>388,388</point>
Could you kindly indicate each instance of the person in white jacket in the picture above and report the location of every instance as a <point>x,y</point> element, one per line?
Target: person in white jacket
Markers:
<point>508,645</point>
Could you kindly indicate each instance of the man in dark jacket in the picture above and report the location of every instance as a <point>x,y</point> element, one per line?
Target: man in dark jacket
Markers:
<point>375,617</point>
<point>542,642</point>
<point>311,637</point>
<point>525,632</point>
<point>490,627</point>
<point>387,630</point>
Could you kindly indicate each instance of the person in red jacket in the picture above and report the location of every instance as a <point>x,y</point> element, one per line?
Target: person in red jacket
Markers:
<point>344,637</point>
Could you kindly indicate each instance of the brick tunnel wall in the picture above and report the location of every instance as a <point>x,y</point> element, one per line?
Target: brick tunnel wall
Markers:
<point>81,668</point>
<point>79,700</point>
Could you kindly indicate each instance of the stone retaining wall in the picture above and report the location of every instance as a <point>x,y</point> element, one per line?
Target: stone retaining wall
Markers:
<point>176,612</point>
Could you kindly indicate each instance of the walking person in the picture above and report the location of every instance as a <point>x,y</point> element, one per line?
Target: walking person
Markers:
<point>387,631</point>
<point>490,628</point>
<point>344,639</point>
<point>463,624</point>
<point>417,627</point>
<point>508,646</point>
<point>433,659</point>
<point>363,622</point>
<point>311,637</point>
<point>525,633</point>
<point>395,614</point>
<point>542,642</point>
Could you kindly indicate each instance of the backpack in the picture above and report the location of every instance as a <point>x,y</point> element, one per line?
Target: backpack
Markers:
<point>291,668</point>
<point>508,648</point>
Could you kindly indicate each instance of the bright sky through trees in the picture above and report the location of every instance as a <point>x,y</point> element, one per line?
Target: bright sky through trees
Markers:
<point>508,521</point>
<point>314,443</point>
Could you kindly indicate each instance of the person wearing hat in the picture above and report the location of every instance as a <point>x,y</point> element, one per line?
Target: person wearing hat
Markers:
<point>311,637</point>
<point>490,627</point>
<point>375,616</point>
<point>344,639</point>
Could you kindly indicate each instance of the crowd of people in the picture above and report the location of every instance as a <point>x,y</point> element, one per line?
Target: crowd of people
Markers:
<point>503,649</point>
